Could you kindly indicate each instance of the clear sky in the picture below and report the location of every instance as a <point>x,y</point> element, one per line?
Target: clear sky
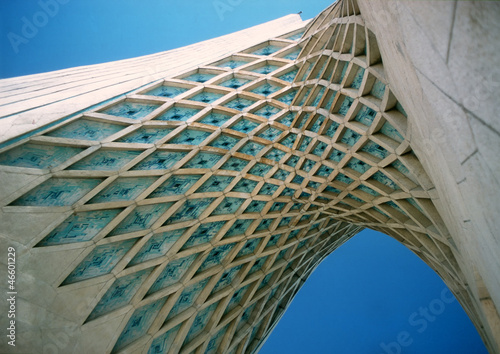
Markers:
<point>363,298</point>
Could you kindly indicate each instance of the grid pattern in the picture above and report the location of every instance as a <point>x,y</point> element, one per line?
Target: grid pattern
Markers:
<point>211,196</point>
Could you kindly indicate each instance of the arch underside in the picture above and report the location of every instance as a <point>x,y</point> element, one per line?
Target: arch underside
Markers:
<point>189,213</point>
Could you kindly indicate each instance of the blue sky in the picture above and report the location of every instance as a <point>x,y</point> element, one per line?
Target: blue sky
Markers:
<point>362,298</point>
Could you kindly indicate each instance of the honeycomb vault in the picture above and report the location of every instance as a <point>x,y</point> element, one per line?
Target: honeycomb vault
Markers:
<point>185,215</point>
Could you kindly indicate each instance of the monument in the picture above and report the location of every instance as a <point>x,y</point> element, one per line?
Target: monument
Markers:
<point>177,202</point>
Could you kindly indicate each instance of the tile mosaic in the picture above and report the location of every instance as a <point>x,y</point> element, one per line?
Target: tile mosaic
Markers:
<point>251,148</point>
<point>120,293</point>
<point>216,119</point>
<point>235,164</point>
<point>79,227</point>
<point>123,189</point>
<point>203,160</point>
<point>199,77</point>
<point>145,135</point>
<point>178,113</point>
<point>187,298</point>
<point>163,343</point>
<point>38,155</point>
<point>215,257</point>
<point>203,234</point>
<point>238,228</point>
<point>267,111</point>
<point>166,91</point>
<point>190,137</point>
<point>160,160</point>
<point>141,218</point>
<point>215,184</point>
<point>131,110</point>
<point>105,160</point>
<point>86,129</point>
<point>234,83</point>
<point>175,185</point>
<point>191,209</point>
<point>239,103</point>
<point>100,261</point>
<point>228,206</point>
<point>206,97</point>
<point>157,246</point>
<point>58,192</point>
<point>172,273</point>
<point>138,325</point>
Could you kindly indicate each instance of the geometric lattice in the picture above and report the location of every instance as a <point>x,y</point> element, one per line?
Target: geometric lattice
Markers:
<point>211,197</point>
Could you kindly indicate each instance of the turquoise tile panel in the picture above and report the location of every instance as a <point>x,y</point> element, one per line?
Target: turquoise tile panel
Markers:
<point>141,218</point>
<point>123,189</point>
<point>177,113</point>
<point>38,155</point>
<point>275,154</point>
<point>203,160</point>
<point>199,77</point>
<point>234,83</point>
<point>234,164</point>
<point>365,116</point>
<point>120,293</point>
<point>216,119</point>
<point>350,137</point>
<point>187,298</point>
<point>266,69</point>
<point>266,89</point>
<point>79,227</point>
<point>58,192</point>
<point>191,209</point>
<point>130,110</point>
<point>145,135</point>
<point>227,278</point>
<point>86,129</point>
<point>382,178</point>
<point>206,97</point>
<point>249,247</point>
<point>270,133</point>
<point>255,206</point>
<point>267,50</point>
<point>190,137</point>
<point>232,64</point>
<point>105,160</point>
<point>375,150</point>
<point>175,185</point>
<point>245,186</point>
<point>166,91</point>
<point>157,246</point>
<point>172,273</point>
<point>228,206</point>
<point>203,234</point>
<point>239,103</point>
<point>224,141</point>
<point>238,228</point>
<point>267,111</point>
<point>251,148</point>
<point>245,126</point>
<point>160,160</point>
<point>163,343</point>
<point>100,261</point>
<point>200,322</point>
<point>215,184</point>
<point>358,165</point>
<point>268,189</point>
<point>138,325</point>
<point>289,76</point>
